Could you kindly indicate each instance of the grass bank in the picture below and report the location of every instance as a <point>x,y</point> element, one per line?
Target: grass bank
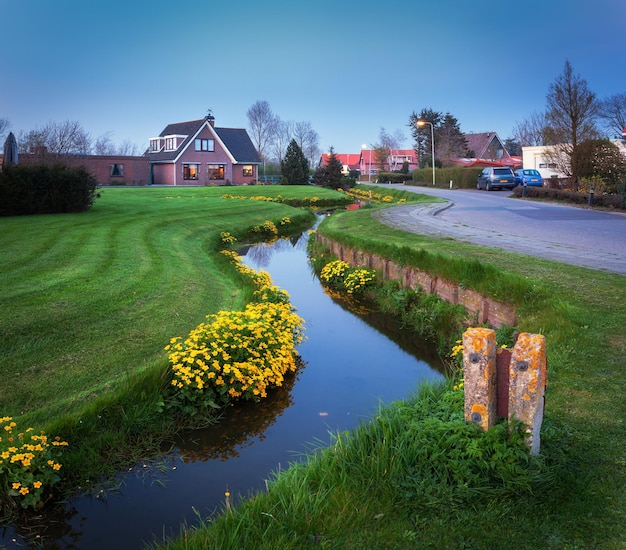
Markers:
<point>373,489</point>
<point>90,300</point>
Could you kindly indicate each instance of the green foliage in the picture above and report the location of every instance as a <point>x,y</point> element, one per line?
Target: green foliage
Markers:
<point>295,166</point>
<point>461,177</point>
<point>29,465</point>
<point>44,189</point>
<point>329,175</point>
<point>606,200</point>
<point>236,354</point>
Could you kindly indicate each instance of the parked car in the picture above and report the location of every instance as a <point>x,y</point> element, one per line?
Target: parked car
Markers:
<point>496,178</point>
<point>528,177</point>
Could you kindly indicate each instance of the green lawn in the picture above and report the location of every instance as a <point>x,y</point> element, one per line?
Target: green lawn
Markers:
<point>91,299</point>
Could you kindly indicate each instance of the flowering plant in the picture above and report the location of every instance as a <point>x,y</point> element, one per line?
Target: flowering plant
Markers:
<point>353,280</point>
<point>237,354</point>
<point>28,464</point>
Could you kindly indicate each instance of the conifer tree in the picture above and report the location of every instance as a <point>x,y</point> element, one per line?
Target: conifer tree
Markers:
<point>295,166</point>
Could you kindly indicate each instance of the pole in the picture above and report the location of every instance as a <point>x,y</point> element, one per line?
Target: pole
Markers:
<point>432,143</point>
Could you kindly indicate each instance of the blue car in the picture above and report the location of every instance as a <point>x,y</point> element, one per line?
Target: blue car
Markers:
<point>528,177</point>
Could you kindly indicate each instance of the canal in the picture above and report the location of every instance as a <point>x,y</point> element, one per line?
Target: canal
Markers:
<point>352,362</point>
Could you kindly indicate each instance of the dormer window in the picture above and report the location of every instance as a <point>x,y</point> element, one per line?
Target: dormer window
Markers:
<point>170,144</point>
<point>155,145</point>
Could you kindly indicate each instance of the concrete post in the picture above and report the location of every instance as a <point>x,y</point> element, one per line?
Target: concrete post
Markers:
<point>479,361</point>
<point>527,383</point>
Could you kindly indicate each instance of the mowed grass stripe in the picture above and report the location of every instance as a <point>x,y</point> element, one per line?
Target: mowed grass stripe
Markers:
<point>89,299</point>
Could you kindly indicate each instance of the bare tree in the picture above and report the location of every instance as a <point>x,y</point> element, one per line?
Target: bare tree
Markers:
<point>613,113</point>
<point>308,140</point>
<point>57,138</point>
<point>389,143</point>
<point>532,130</point>
<point>571,115</point>
<point>5,126</point>
<point>127,148</point>
<point>282,137</point>
<point>263,124</point>
<point>103,145</point>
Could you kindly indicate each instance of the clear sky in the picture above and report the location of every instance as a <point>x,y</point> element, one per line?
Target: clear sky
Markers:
<point>349,67</point>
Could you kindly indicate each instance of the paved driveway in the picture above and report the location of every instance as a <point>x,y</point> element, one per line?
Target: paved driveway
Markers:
<point>577,236</point>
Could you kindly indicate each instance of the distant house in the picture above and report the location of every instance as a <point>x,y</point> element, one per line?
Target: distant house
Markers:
<point>486,149</point>
<point>198,153</point>
<point>365,161</point>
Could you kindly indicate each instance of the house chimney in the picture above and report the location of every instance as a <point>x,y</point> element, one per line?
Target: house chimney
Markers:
<point>211,119</point>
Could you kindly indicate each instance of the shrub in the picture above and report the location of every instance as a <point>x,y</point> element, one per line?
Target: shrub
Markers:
<point>45,190</point>
<point>615,201</point>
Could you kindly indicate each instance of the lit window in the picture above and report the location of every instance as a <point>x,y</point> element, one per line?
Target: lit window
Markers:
<point>190,171</point>
<point>247,170</point>
<point>205,145</point>
<point>216,171</point>
<point>117,170</point>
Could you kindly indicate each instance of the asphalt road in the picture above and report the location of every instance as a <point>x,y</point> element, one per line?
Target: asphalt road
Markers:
<point>571,235</point>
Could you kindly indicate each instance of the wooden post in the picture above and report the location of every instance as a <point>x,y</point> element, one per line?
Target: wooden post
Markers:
<point>527,383</point>
<point>479,361</point>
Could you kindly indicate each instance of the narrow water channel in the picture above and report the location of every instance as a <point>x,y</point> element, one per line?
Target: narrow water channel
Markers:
<point>351,363</point>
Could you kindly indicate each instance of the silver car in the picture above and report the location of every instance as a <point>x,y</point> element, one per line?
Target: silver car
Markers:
<point>496,178</point>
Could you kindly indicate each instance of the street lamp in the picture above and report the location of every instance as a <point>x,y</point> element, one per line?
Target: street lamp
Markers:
<point>421,123</point>
<point>370,162</point>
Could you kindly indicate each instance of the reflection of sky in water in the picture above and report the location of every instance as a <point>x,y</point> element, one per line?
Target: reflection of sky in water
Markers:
<point>349,368</point>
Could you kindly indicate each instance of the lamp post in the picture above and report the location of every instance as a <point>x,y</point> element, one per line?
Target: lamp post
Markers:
<point>369,162</point>
<point>421,123</point>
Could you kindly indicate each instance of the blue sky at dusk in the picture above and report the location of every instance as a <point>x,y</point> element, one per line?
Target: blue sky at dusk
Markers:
<point>347,67</point>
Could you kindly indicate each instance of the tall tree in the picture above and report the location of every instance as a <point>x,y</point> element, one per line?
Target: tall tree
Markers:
<point>613,114</point>
<point>295,167</point>
<point>329,174</point>
<point>262,125</point>
<point>422,135</point>
<point>450,142</point>
<point>308,140</point>
<point>572,110</point>
<point>281,139</point>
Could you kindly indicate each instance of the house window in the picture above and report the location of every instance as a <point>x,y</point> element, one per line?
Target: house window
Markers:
<point>117,170</point>
<point>205,145</point>
<point>190,171</point>
<point>170,144</point>
<point>247,170</point>
<point>216,171</point>
<point>154,145</point>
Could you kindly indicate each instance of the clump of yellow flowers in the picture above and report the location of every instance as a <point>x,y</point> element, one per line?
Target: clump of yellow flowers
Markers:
<point>28,464</point>
<point>341,276</point>
<point>237,354</point>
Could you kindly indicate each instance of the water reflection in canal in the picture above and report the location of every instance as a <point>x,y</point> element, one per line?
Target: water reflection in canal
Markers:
<point>350,364</point>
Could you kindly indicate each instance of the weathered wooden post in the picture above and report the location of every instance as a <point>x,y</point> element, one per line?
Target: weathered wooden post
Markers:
<point>528,374</point>
<point>479,362</point>
<point>513,389</point>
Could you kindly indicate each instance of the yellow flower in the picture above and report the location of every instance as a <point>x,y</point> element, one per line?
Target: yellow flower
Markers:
<point>37,484</point>
<point>16,485</point>
<point>24,491</point>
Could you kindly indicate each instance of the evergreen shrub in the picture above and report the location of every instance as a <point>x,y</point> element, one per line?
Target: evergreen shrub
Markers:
<point>45,189</point>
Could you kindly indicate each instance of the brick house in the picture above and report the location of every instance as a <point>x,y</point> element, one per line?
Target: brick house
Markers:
<point>198,153</point>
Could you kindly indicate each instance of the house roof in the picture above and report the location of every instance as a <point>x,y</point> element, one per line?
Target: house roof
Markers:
<point>347,159</point>
<point>236,141</point>
<point>479,144</point>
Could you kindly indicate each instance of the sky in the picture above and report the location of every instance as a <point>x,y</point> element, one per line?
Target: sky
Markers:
<point>349,68</point>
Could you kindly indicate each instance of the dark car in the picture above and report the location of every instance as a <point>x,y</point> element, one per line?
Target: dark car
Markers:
<point>496,178</point>
<point>528,177</point>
